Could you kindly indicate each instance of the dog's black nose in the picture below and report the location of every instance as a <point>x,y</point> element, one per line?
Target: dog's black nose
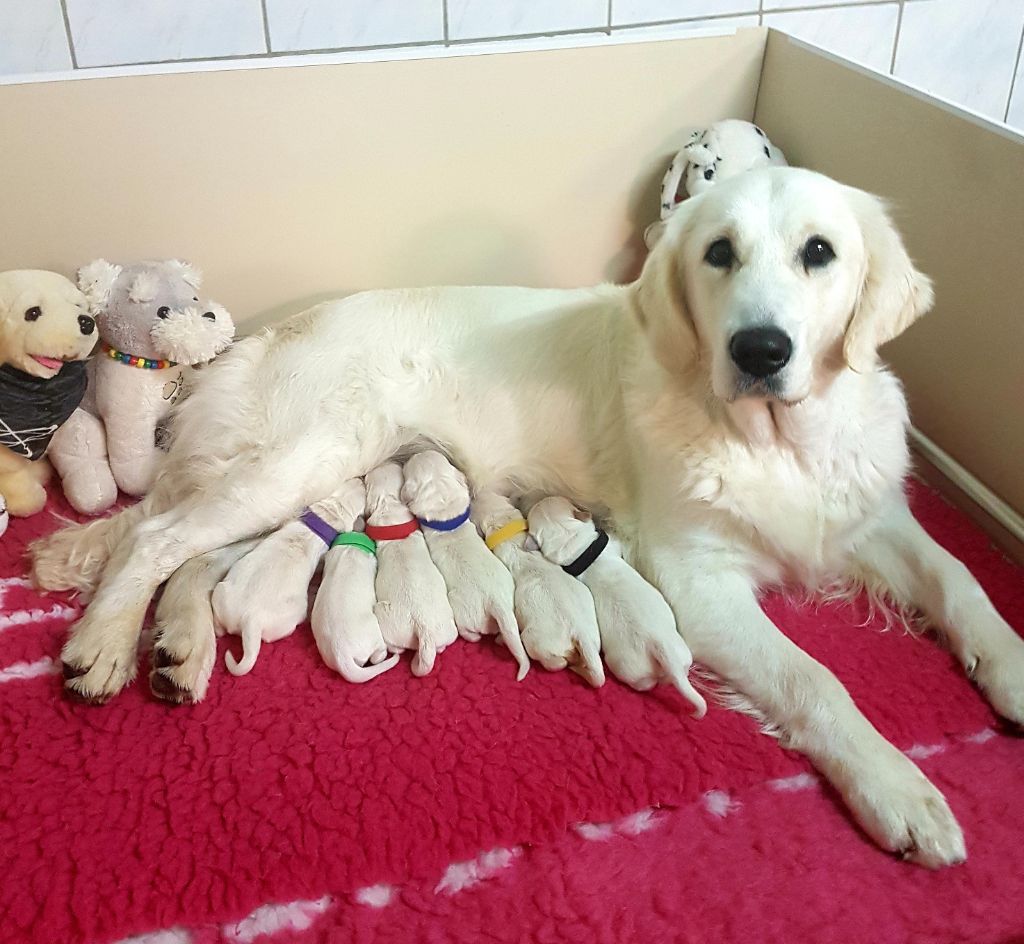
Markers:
<point>86,325</point>
<point>760,352</point>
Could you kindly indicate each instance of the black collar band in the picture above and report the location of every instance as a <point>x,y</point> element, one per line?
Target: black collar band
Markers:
<point>588,557</point>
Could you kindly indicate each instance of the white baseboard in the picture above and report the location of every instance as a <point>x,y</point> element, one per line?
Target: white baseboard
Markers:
<point>982,496</point>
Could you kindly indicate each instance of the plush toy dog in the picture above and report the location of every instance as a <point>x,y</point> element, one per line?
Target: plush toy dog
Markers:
<point>638,630</point>
<point>46,332</point>
<point>480,590</point>
<point>723,150</point>
<point>412,601</point>
<point>151,321</point>
<point>555,612</point>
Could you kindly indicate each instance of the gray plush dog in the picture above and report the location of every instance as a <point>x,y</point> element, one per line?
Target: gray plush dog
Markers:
<point>152,323</point>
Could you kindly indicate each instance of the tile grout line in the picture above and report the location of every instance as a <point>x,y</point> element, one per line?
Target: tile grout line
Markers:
<point>266,25</point>
<point>896,38</point>
<point>1013,78</point>
<point>610,17</point>
<point>444,21</point>
<point>67,33</point>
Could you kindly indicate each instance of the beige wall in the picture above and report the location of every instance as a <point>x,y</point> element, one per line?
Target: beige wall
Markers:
<point>958,189</point>
<point>292,184</point>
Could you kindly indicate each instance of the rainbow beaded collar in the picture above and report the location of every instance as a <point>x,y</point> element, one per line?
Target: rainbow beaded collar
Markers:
<point>146,363</point>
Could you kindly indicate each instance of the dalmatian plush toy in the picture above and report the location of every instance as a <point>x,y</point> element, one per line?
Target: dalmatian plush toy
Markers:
<point>723,150</point>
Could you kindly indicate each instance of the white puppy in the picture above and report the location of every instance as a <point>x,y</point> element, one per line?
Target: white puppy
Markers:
<point>639,639</point>
<point>344,625</point>
<point>480,589</point>
<point>265,596</point>
<point>412,602</point>
<point>555,612</point>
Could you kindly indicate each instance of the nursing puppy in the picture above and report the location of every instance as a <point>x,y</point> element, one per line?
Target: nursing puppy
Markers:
<point>412,601</point>
<point>344,625</point>
<point>639,640</point>
<point>265,596</point>
<point>727,411</point>
<point>556,615</point>
<point>480,589</point>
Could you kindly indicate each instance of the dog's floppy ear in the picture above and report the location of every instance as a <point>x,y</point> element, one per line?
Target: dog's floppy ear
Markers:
<point>660,295</point>
<point>893,294</point>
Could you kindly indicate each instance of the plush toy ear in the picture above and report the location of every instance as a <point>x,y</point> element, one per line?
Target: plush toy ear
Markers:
<point>189,273</point>
<point>96,282</point>
<point>893,294</point>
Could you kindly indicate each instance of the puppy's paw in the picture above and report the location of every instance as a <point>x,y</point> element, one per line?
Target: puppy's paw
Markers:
<point>182,663</point>
<point>98,663</point>
<point>904,813</point>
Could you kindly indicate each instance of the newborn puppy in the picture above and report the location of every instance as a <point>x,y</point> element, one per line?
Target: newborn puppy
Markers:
<point>555,612</point>
<point>412,602</point>
<point>638,630</point>
<point>480,589</point>
<point>266,594</point>
<point>344,625</point>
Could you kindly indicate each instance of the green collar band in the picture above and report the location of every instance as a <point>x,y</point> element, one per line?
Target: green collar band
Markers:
<point>355,539</point>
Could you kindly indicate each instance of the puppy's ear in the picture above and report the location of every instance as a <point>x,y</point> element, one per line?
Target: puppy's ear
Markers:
<point>580,515</point>
<point>660,304</point>
<point>96,282</point>
<point>893,294</point>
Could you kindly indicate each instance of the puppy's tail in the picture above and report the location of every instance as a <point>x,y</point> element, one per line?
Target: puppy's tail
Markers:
<point>251,640</point>
<point>677,668</point>
<point>508,632</point>
<point>589,664</point>
<point>350,671</point>
<point>423,661</point>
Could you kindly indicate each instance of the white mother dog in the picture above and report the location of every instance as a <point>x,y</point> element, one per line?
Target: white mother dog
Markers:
<point>727,410</point>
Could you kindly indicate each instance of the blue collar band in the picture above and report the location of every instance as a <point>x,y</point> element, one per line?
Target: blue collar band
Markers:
<point>450,525</point>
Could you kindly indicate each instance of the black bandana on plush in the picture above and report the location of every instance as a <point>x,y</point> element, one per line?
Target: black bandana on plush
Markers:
<point>32,408</point>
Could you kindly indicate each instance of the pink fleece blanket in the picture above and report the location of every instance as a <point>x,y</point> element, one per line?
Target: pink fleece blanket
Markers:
<point>293,807</point>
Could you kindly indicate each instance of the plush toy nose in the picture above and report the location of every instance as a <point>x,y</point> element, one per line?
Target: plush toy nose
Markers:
<point>761,352</point>
<point>86,325</point>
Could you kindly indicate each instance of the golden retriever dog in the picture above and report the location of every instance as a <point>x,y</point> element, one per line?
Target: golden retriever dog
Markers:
<point>726,413</point>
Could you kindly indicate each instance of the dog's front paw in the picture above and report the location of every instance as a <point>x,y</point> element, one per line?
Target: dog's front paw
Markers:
<point>1000,676</point>
<point>98,664</point>
<point>904,813</point>
<point>182,664</point>
<point>58,564</point>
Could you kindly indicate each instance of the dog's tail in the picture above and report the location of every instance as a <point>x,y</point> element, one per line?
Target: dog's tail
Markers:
<point>589,664</point>
<point>251,640</point>
<point>350,671</point>
<point>677,668</point>
<point>508,632</point>
<point>423,661</point>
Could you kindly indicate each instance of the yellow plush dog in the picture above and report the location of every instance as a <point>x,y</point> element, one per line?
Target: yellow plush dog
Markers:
<point>46,332</point>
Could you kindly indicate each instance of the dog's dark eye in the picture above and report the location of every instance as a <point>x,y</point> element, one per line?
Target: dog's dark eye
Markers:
<point>33,313</point>
<point>163,311</point>
<point>209,316</point>
<point>817,253</point>
<point>720,254</point>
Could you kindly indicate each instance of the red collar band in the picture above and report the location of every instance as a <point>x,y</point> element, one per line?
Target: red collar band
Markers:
<point>392,532</point>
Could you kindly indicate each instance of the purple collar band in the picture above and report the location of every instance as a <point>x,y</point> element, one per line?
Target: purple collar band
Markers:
<point>450,525</point>
<point>319,527</point>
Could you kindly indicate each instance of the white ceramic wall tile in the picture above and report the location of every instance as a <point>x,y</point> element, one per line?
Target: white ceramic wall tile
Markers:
<point>864,34</point>
<point>474,19</point>
<point>1016,115</point>
<point>334,24</point>
<point>963,50</point>
<point>668,30</point>
<point>32,37</point>
<point>649,11</point>
<point>110,32</point>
